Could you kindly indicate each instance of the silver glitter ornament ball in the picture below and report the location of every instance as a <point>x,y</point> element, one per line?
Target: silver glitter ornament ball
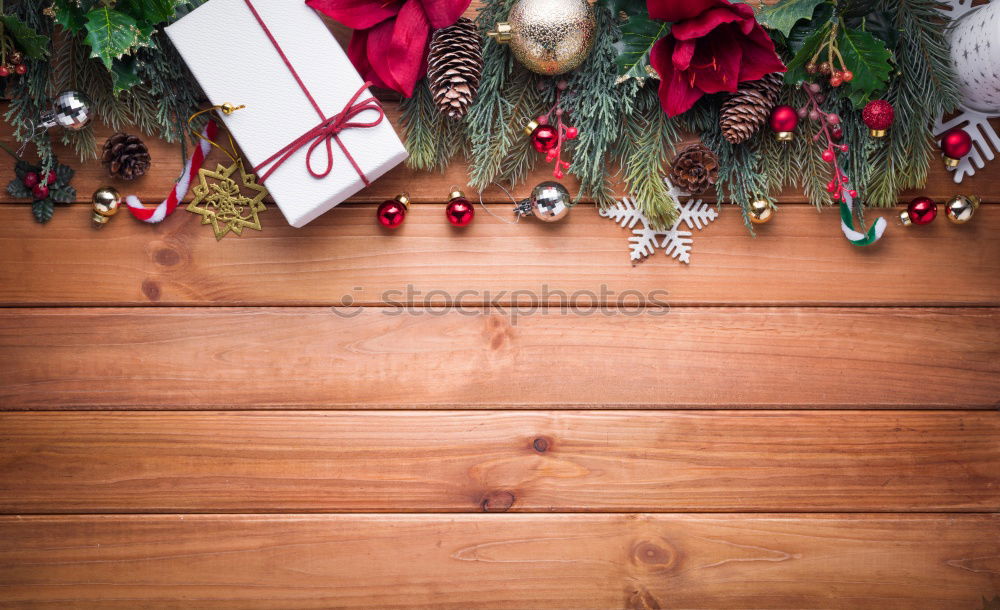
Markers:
<point>549,36</point>
<point>550,201</point>
<point>71,110</point>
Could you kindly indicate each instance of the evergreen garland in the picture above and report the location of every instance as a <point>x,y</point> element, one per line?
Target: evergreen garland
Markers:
<point>432,138</point>
<point>923,87</point>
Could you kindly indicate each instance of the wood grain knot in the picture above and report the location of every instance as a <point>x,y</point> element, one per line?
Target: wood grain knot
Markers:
<point>167,257</point>
<point>151,289</point>
<point>497,501</point>
<point>653,556</point>
<point>540,444</point>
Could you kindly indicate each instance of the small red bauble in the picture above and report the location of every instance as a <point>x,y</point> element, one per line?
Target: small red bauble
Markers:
<point>31,180</point>
<point>878,116</point>
<point>40,191</point>
<point>955,144</point>
<point>920,211</point>
<point>459,211</point>
<point>784,120</point>
<point>392,212</point>
<point>20,69</point>
<point>544,138</point>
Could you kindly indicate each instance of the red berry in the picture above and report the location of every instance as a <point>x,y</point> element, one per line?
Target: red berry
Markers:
<point>847,75</point>
<point>559,174</point>
<point>836,81</point>
<point>31,180</point>
<point>51,178</point>
<point>542,119</point>
<point>843,148</point>
<point>836,197</point>
<point>852,193</point>
<point>40,191</point>
<point>828,155</point>
<point>20,69</point>
<point>831,187</point>
<point>572,132</point>
<point>833,119</point>
<point>836,133</point>
<point>4,71</point>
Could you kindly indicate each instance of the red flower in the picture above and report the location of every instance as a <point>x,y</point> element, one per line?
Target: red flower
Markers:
<point>712,46</point>
<point>389,45</point>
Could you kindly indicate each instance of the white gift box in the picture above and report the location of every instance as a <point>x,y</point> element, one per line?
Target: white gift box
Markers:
<point>233,59</point>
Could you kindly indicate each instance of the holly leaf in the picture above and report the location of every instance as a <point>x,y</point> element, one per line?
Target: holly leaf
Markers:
<point>867,57</point>
<point>797,66</point>
<point>43,209</point>
<point>17,190</point>
<point>123,74</point>
<point>148,11</point>
<point>72,15</point>
<point>783,15</point>
<point>22,168</point>
<point>63,194</point>
<point>638,35</point>
<point>804,29</point>
<point>33,44</point>
<point>111,34</point>
<point>64,174</point>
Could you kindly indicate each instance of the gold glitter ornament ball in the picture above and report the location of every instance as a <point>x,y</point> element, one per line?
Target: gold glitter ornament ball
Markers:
<point>548,36</point>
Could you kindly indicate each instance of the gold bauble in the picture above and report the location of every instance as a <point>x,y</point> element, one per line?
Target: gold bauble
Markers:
<point>548,36</point>
<point>760,211</point>
<point>106,203</point>
<point>960,208</point>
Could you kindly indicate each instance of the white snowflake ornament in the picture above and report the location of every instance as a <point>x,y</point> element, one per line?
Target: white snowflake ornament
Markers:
<point>973,33</point>
<point>694,214</point>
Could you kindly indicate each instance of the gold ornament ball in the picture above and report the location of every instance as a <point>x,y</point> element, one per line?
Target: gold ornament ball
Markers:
<point>960,208</point>
<point>106,203</point>
<point>548,36</point>
<point>760,211</point>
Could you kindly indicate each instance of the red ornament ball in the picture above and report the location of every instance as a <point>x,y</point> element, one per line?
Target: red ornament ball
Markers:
<point>784,120</point>
<point>40,191</point>
<point>920,211</point>
<point>544,138</point>
<point>31,180</point>
<point>878,115</point>
<point>956,143</point>
<point>459,211</point>
<point>392,212</point>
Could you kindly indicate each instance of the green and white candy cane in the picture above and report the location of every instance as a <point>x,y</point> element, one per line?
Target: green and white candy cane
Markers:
<point>858,238</point>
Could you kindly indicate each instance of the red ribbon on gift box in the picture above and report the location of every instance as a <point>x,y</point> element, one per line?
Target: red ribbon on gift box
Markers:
<point>327,130</point>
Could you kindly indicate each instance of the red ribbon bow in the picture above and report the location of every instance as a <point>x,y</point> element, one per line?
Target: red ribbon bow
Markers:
<point>327,130</point>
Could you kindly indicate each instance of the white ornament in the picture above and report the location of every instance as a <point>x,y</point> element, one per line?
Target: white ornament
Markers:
<point>694,213</point>
<point>975,51</point>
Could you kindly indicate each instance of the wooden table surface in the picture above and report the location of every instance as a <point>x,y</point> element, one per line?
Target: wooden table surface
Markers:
<point>188,423</point>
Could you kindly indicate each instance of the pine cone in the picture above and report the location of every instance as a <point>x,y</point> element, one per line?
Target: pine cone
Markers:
<point>125,156</point>
<point>745,111</point>
<point>454,67</point>
<point>695,168</point>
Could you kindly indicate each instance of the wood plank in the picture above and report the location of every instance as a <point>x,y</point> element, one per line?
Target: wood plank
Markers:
<point>466,461</point>
<point>387,358</point>
<point>500,561</point>
<point>800,258</point>
<point>424,187</point>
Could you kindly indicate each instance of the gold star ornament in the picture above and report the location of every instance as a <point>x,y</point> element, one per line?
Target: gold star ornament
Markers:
<point>226,204</point>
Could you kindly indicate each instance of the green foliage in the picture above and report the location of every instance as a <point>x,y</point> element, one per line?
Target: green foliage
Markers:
<point>648,136</point>
<point>595,110</point>
<point>509,97</point>
<point>920,92</point>
<point>111,34</point>
<point>638,35</point>
<point>59,192</point>
<point>33,44</point>
<point>868,59</point>
<point>783,15</point>
<point>432,138</point>
<point>812,40</point>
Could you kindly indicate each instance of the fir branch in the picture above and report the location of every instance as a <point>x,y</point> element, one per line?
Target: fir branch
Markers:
<point>431,137</point>
<point>30,92</point>
<point>646,134</point>
<point>509,97</point>
<point>921,90</point>
<point>595,106</point>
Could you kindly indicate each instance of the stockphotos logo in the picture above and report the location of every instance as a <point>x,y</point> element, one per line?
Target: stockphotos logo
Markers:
<point>513,304</point>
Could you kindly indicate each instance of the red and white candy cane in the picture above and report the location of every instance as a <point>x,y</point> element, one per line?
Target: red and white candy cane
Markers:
<point>167,207</point>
